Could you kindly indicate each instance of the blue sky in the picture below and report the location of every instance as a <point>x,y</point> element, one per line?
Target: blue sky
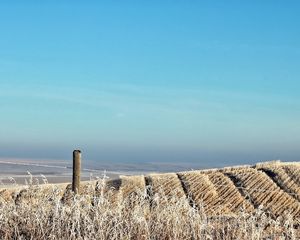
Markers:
<point>150,80</point>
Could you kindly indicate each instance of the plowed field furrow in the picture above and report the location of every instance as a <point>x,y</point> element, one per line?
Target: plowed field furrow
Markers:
<point>125,187</point>
<point>166,188</point>
<point>294,172</point>
<point>167,184</point>
<point>132,185</point>
<point>203,192</point>
<point>228,193</point>
<point>265,187</point>
<point>241,188</point>
<point>283,180</point>
<point>265,192</point>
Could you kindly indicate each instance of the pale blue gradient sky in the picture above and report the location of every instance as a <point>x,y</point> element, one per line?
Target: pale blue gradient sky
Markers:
<point>150,81</point>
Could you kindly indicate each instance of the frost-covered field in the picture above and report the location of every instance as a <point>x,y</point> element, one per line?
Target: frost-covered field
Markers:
<point>250,202</point>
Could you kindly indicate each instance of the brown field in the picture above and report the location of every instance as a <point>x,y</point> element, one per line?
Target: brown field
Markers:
<point>245,202</point>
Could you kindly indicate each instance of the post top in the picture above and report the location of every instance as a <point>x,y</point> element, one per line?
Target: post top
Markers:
<point>77,151</point>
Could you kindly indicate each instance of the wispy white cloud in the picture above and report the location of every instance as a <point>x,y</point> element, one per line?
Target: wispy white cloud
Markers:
<point>125,98</point>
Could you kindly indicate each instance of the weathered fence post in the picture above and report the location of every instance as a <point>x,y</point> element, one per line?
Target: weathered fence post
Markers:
<point>76,171</point>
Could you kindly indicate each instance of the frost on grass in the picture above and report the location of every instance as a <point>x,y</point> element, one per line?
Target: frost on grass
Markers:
<point>39,213</point>
<point>154,207</point>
